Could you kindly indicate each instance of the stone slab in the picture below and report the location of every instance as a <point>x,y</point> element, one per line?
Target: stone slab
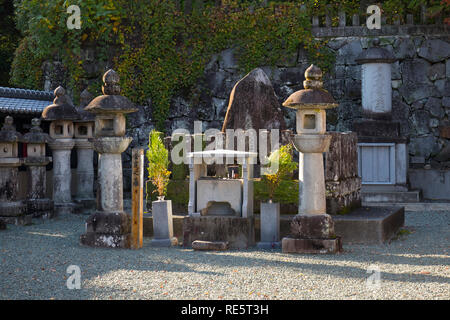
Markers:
<point>210,245</point>
<point>94,239</point>
<point>238,232</point>
<point>369,225</point>
<point>389,196</point>
<point>314,246</point>
<point>163,243</point>
<point>435,184</point>
<point>23,220</point>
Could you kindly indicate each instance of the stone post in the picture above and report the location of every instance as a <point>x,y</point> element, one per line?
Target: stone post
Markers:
<point>109,226</point>
<point>37,203</point>
<point>84,130</point>
<point>12,210</point>
<point>312,228</point>
<point>61,113</point>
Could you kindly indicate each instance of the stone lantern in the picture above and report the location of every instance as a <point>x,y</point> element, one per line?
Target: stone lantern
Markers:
<point>61,113</point>
<point>382,150</point>
<point>109,226</point>
<point>312,229</point>
<point>83,131</point>
<point>37,203</point>
<point>12,210</point>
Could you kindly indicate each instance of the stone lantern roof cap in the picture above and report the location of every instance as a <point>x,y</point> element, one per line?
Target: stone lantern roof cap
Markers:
<point>8,132</point>
<point>61,109</point>
<point>111,101</point>
<point>375,54</point>
<point>36,134</point>
<point>85,98</point>
<point>313,96</point>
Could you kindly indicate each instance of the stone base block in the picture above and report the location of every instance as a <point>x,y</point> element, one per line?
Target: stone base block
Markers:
<point>210,245</point>
<point>41,208</point>
<point>322,246</point>
<point>85,206</point>
<point>12,209</point>
<point>238,232</point>
<point>22,220</point>
<point>64,208</point>
<point>369,225</point>
<point>312,226</point>
<point>94,239</point>
<point>268,245</point>
<point>161,243</point>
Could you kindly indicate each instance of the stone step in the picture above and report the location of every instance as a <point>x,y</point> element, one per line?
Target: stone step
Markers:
<point>413,206</point>
<point>391,197</point>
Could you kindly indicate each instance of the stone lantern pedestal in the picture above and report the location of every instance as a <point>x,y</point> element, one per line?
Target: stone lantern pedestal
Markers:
<point>61,113</point>
<point>12,209</point>
<point>37,203</point>
<point>109,226</point>
<point>312,229</point>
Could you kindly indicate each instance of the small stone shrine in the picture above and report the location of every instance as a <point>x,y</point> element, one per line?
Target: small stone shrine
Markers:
<point>312,229</point>
<point>109,226</point>
<point>383,156</point>
<point>12,209</point>
<point>37,203</point>
<point>61,113</point>
<point>84,130</point>
<point>220,209</point>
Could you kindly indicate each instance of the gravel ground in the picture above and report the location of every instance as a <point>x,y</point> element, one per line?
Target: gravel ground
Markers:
<point>34,261</point>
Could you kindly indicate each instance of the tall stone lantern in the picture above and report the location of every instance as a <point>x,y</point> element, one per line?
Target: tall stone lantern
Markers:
<point>83,131</point>
<point>109,226</point>
<point>12,210</point>
<point>312,229</point>
<point>37,203</point>
<point>61,113</point>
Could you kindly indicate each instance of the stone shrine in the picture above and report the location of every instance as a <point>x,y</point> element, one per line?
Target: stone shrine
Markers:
<point>220,209</point>
<point>12,209</point>
<point>109,226</point>
<point>61,113</point>
<point>312,229</point>
<point>37,203</point>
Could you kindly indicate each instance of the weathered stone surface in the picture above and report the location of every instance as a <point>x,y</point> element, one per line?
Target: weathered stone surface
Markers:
<point>444,154</point>
<point>210,245</point>
<point>434,50</point>
<point>348,53</point>
<point>238,232</point>
<point>413,71</point>
<point>436,71</point>
<point>314,246</point>
<point>312,226</point>
<point>2,225</point>
<point>423,146</point>
<point>253,104</point>
<point>413,92</point>
<point>404,48</point>
<point>434,106</point>
<point>444,132</point>
<point>420,121</point>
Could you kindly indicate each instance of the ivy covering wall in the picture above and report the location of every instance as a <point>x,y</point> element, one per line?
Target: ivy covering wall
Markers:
<point>159,50</point>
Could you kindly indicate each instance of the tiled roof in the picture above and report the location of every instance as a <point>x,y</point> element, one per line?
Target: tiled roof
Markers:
<point>14,100</point>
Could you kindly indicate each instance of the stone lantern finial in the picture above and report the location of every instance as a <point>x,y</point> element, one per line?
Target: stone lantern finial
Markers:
<point>111,83</point>
<point>313,77</point>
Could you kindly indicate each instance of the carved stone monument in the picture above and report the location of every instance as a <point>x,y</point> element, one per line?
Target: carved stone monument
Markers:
<point>109,226</point>
<point>37,203</point>
<point>312,229</point>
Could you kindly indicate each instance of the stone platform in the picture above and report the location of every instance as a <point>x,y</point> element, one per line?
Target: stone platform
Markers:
<point>369,225</point>
<point>318,246</point>
<point>238,232</point>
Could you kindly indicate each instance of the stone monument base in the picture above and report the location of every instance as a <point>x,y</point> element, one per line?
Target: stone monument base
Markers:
<point>369,225</point>
<point>237,231</point>
<point>15,213</point>
<point>63,208</point>
<point>318,246</point>
<point>104,229</point>
<point>85,206</point>
<point>41,208</point>
<point>163,243</point>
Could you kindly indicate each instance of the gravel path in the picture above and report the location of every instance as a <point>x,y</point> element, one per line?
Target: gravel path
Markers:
<point>34,260</point>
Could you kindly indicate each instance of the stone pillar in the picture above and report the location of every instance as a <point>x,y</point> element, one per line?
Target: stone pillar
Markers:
<point>109,226</point>
<point>12,209</point>
<point>61,113</point>
<point>37,203</point>
<point>84,130</point>
<point>312,229</point>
